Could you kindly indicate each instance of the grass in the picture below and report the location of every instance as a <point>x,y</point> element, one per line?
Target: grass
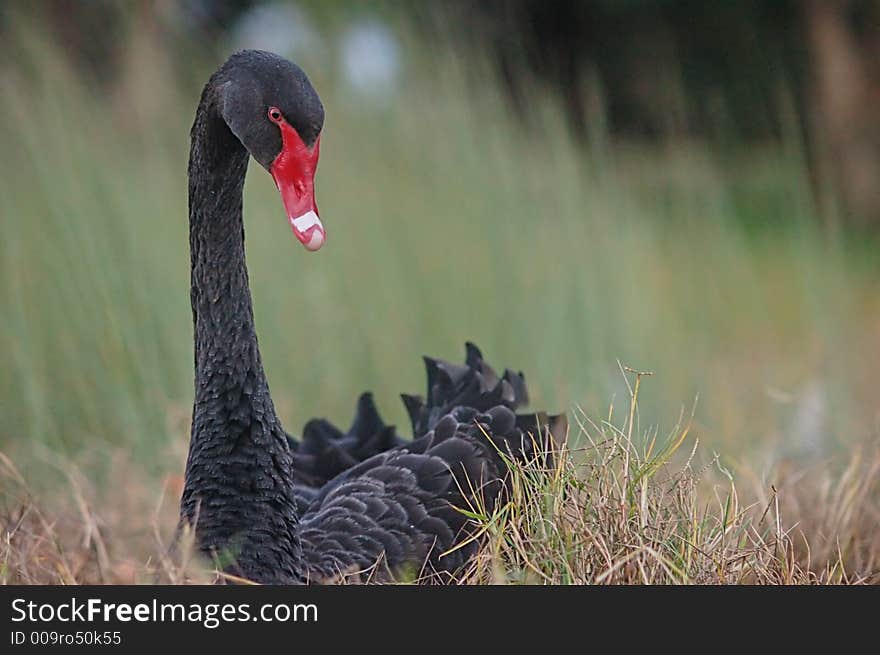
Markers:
<point>611,509</point>
<point>617,511</point>
<point>447,221</point>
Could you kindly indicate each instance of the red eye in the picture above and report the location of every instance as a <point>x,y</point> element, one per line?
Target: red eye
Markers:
<point>274,115</point>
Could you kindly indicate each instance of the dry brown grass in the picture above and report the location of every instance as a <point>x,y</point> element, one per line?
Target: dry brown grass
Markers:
<point>609,513</point>
<point>613,509</point>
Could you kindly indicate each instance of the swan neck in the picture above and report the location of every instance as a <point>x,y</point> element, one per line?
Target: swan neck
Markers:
<point>227,354</point>
<point>239,488</point>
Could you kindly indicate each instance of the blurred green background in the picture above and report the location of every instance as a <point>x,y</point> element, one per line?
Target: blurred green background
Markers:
<point>676,199</point>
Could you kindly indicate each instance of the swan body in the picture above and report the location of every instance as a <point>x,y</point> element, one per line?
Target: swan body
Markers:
<point>364,503</point>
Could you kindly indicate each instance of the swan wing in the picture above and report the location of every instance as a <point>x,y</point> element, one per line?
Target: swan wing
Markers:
<point>406,513</point>
<point>325,451</point>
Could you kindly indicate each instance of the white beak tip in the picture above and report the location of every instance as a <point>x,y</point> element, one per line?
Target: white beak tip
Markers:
<point>316,240</point>
<point>309,230</point>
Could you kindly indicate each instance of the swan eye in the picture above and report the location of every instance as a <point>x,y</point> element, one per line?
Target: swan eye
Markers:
<point>274,115</point>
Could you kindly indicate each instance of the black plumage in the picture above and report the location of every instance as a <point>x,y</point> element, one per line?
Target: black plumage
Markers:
<point>364,502</point>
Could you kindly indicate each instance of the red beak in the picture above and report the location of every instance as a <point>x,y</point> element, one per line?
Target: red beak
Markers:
<point>294,173</point>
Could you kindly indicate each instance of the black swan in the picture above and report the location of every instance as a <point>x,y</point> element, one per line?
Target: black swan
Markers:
<point>365,503</point>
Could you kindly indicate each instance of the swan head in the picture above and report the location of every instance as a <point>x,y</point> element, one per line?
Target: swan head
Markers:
<point>272,108</point>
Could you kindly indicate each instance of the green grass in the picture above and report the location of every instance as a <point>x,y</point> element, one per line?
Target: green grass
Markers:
<point>446,221</point>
